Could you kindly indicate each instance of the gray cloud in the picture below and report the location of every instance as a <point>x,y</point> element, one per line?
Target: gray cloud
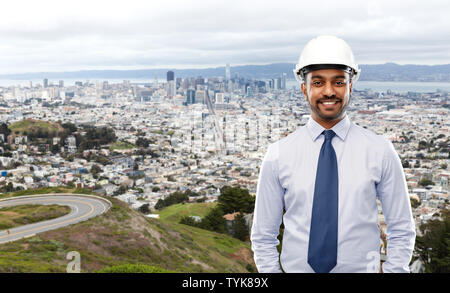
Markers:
<point>53,35</point>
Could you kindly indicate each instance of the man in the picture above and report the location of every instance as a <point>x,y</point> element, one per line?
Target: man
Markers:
<point>323,180</point>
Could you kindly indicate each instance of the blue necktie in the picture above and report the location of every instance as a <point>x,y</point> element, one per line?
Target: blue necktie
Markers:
<point>322,250</point>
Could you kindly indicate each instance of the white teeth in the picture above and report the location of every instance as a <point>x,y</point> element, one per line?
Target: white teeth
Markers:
<point>329,103</point>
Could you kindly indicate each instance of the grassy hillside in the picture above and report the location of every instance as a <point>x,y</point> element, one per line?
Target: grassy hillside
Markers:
<point>175,212</point>
<point>46,190</point>
<point>31,125</point>
<point>19,215</point>
<point>121,145</point>
<point>125,240</point>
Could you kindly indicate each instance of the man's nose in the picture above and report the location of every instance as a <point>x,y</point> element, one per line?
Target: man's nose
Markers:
<point>328,90</point>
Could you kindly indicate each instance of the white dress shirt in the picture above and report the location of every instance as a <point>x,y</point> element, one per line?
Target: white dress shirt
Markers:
<point>368,167</point>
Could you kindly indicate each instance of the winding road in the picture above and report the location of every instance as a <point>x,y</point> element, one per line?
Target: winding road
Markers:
<point>82,207</point>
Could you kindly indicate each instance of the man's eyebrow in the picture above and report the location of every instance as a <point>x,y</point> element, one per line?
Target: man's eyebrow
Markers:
<point>334,77</point>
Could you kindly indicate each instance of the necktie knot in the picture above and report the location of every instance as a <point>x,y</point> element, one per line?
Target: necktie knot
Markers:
<point>329,134</point>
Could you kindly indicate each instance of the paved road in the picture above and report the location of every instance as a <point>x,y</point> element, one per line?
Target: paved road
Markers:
<point>82,208</point>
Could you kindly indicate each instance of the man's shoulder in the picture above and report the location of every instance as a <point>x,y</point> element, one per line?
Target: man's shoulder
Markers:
<point>292,138</point>
<point>369,137</point>
<point>286,142</point>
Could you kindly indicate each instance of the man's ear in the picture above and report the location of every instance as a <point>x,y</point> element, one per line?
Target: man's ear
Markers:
<point>303,88</point>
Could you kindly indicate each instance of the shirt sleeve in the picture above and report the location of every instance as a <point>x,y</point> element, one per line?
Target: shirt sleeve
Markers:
<point>267,214</point>
<point>392,191</point>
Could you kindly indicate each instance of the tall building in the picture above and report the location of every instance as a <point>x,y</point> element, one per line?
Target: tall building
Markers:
<point>190,97</point>
<point>249,91</point>
<point>45,82</point>
<point>227,72</point>
<point>171,86</point>
<point>199,81</point>
<point>185,84</point>
<point>283,81</point>
<point>200,95</point>
<point>277,83</point>
<point>170,75</point>
<point>220,98</point>
<point>61,83</point>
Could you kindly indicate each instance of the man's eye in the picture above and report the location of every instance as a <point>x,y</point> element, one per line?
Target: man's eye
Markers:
<point>340,82</point>
<point>316,83</point>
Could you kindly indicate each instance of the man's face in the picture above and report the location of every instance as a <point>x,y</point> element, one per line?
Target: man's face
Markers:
<point>328,94</point>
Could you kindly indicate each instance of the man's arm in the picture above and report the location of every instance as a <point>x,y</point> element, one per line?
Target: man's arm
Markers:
<point>268,214</point>
<point>392,191</point>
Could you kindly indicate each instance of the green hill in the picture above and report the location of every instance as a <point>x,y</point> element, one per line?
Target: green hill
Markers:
<point>123,239</point>
<point>175,212</point>
<point>19,215</point>
<point>32,125</point>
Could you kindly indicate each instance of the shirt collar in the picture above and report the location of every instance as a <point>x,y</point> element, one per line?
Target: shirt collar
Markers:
<point>341,128</point>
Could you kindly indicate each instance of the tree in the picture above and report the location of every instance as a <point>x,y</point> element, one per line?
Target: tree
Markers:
<point>70,127</point>
<point>159,204</point>
<point>96,169</point>
<point>405,164</point>
<point>214,221</point>
<point>415,203</point>
<point>190,221</point>
<point>173,198</point>
<point>145,208</point>
<point>4,129</point>
<point>425,182</point>
<point>239,228</point>
<point>422,145</point>
<point>236,199</point>
<point>122,189</point>
<point>434,246</point>
<point>142,142</point>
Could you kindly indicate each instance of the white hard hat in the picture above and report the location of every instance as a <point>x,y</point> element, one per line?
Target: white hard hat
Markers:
<point>326,52</point>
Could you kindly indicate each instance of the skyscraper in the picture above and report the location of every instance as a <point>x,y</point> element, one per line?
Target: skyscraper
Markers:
<point>283,81</point>
<point>190,96</point>
<point>171,86</point>
<point>45,82</point>
<point>170,75</point>
<point>227,72</point>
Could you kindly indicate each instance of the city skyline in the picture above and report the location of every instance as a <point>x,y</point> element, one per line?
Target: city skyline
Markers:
<point>49,36</point>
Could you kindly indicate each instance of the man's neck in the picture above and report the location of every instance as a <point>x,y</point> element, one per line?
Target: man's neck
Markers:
<point>327,124</point>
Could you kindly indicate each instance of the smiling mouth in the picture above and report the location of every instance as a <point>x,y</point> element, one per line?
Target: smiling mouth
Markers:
<point>328,102</point>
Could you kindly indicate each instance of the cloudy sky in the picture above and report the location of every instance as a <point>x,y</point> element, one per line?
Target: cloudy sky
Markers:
<point>66,35</point>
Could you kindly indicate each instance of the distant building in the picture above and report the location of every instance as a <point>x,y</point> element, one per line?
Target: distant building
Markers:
<point>199,83</point>
<point>200,96</point>
<point>170,75</point>
<point>71,144</point>
<point>444,181</point>
<point>45,82</point>
<point>283,81</point>
<point>171,85</point>
<point>190,97</point>
<point>227,72</point>
<point>249,91</point>
<point>219,98</point>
